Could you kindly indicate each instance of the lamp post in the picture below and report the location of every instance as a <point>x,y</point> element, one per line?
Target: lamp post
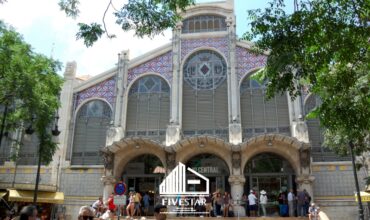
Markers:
<point>54,132</point>
<point>360,208</point>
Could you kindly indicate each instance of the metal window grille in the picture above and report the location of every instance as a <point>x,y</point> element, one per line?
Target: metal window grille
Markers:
<point>204,23</point>
<point>259,115</point>
<point>148,109</point>
<point>205,104</point>
<point>315,133</point>
<point>91,125</point>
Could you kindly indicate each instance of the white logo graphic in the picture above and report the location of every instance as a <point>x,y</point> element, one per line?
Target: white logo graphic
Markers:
<point>173,191</point>
<point>175,183</point>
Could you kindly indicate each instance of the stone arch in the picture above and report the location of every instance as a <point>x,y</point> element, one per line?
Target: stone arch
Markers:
<point>130,148</point>
<point>248,74</point>
<point>287,147</point>
<point>190,147</point>
<point>146,74</point>
<point>202,48</point>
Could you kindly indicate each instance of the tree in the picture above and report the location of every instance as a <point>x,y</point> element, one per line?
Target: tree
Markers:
<point>29,88</point>
<point>145,17</point>
<point>323,46</point>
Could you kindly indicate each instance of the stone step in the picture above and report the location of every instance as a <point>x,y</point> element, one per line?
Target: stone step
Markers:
<point>209,218</point>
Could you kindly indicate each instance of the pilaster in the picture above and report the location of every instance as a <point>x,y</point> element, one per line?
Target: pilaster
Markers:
<point>108,182</point>
<point>306,182</point>
<point>65,120</point>
<point>237,189</point>
<point>235,133</point>
<point>121,91</point>
<point>174,128</point>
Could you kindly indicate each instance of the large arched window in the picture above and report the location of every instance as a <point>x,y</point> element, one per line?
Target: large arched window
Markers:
<point>315,133</point>
<point>259,115</point>
<point>148,108</point>
<point>205,105</point>
<point>92,122</point>
<point>204,23</point>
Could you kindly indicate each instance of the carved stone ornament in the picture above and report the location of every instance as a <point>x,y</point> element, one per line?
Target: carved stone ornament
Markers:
<point>108,158</point>
<point>304,155</point>
<point>236,159</point>
<point>170,160</point>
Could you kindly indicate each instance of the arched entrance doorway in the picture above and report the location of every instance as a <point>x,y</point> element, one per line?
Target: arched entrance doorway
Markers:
<point>272,173</point>
<point>143,174</point>
<point>212,167</point>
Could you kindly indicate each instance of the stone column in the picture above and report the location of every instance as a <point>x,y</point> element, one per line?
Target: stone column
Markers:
<point>235,129</point>
<point>108,182</point>
<point>174,128</point>
<point>121,91</point>
<point>65,121</point>
<point>306,182</point>
<point>237,189</point>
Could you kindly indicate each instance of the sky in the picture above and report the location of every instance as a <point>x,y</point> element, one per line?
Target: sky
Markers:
<point>51,33</point>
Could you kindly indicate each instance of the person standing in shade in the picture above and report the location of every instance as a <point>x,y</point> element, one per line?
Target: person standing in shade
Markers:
<point>263,202</point>
<point>226,204</point>
<point>301,198</point>
<point>291,198</point>
<point>146,200</point>
<point>252,203</point>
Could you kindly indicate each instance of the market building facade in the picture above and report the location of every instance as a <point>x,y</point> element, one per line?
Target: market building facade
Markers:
<point>191,101</point>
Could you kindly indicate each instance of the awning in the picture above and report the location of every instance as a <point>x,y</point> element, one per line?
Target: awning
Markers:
<point>365,197</point>
<point>2,194</point>
<point>42,197</point>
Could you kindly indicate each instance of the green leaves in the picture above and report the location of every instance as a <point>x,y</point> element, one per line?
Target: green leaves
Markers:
<point>29,86</point>
<point>89,33</point>
<point>323,46</point>
<point>145,17</point>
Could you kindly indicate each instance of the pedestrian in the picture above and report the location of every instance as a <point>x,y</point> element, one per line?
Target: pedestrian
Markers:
<point>130,209</point>
<point>137,200</point>
<point>246,204</point>
<point>98,206</point>
<point>111,206</point>
<point>313,212</point>
<point>146,200</point>
<point>85,213</point>
<point>263,202</point>
<point>252,203</point>
<point>159,212</point>
<point>218,204</point>
<point>301,198</point>
<point>28,213</point>
<point>307,201</point>
<point>291,198</point>
<point>226,202</point>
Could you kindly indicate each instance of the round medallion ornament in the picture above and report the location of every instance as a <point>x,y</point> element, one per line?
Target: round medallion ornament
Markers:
<point>205,70</point>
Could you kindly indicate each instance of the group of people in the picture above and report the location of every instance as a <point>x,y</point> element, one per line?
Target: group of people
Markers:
<point>136,205</point>
<point>289,204</point>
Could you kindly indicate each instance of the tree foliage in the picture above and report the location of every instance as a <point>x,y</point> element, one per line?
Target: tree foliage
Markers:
<point>145,17</point>
<point>324,45</point>
<point>29,86</point>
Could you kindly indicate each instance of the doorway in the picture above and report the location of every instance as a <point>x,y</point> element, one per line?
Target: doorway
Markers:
<point>143,174</point>
<point>273,174</point>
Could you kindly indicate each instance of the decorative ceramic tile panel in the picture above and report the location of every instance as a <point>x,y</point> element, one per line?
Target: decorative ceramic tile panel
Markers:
<point>104,90</point>
<point>161,64</point>
<point>247,61</point>
<point>220,43</point>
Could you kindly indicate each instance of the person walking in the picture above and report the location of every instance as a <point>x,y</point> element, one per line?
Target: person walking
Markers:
<point>291,198</point>
<point>263,202</point>
<point>146,200</point>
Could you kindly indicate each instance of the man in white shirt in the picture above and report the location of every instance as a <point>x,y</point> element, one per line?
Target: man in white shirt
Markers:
<point>252,203</point>
<point>291,198</point>
<point>263,202</point>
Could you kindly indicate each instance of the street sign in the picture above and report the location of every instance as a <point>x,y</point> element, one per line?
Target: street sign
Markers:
<point>120,188</point>
<point>120,200</point>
